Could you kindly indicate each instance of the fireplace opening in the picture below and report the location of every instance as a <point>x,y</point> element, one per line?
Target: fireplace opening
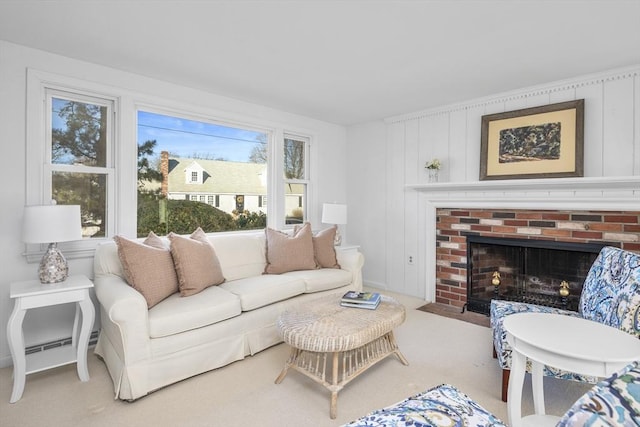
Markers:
<point>542,272</point>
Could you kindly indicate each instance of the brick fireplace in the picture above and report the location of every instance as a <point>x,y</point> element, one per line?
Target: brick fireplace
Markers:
<point>616,228</point>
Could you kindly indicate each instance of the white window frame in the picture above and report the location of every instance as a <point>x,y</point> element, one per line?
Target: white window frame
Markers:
<point>122,180</point>
<point>275,155</point>
<point>41,86</point>
<point>306,181</point>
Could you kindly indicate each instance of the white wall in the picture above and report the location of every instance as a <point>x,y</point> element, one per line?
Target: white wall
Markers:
<point>328,164</point>
<point>394,225</point>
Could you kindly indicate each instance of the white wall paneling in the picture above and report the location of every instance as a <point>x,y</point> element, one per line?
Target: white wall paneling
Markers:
<point>618,127</point>
<point>395,238</point>
<point>452,134</point>
<point>412,143</point>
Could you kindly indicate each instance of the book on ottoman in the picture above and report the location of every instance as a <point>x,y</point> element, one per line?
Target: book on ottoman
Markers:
<point>369,300</point>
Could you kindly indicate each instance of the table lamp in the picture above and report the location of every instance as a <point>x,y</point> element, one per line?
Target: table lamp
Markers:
<point>333,213</point>
<point>52,224</point>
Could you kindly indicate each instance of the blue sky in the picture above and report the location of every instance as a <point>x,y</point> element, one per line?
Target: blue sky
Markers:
<point>186,138</point>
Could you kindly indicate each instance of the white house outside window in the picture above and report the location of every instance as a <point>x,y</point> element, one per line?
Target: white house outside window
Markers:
<point>182,159</point>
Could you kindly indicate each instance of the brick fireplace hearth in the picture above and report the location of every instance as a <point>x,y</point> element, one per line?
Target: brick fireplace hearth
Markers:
<point>616,228</point>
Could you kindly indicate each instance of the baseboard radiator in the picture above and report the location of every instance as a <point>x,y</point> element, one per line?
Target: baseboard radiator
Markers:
<point>93,339</point>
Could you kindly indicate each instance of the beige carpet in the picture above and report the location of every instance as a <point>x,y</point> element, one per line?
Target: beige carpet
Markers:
<point>439,350</point>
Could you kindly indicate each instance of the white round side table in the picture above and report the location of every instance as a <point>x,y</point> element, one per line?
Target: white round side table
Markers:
<point>565,342</point>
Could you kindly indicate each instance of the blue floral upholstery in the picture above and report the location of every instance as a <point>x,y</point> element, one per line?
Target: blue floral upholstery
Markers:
<point>610,295</point>
<point>444,405</point>
<point>612,402</point>
<point>499,310</point>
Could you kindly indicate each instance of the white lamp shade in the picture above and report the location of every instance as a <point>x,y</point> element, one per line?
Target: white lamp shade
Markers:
<point>333,213</point>
<point>51,224</point>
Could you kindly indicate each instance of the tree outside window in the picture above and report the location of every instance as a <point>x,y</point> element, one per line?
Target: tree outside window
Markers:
<point>80,145</point>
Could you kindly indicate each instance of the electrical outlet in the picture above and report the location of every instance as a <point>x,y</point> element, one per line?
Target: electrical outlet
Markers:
<point>410,260</point>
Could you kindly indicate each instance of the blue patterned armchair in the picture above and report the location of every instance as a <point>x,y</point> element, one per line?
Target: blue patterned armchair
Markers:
<point>610,295</point>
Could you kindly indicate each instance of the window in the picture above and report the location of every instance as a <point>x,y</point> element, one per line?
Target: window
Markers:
<point>79,151</point>
<point>79,159</point>
<point>185,160</point>
<point>296,182</point>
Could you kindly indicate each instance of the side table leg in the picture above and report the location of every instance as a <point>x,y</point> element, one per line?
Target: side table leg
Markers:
<point>537,387</point>
<point>516,381</point>
<point>16,346</point>
<point>88,314</point>
<point>76,324</point>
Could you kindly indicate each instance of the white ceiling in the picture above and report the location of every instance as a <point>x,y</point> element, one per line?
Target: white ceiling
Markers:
<point>344,62</point>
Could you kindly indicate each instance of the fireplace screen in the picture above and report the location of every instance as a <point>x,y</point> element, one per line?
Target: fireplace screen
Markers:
<point>535,271</point>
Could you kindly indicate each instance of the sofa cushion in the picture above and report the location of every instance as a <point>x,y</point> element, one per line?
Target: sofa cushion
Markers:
<point>148,267</point>
<point>196,262</point>
<point>289,253</point>
<point>322,279</point>
<point>176,314</point>
<point>258,291</point>
<point>240,255</point>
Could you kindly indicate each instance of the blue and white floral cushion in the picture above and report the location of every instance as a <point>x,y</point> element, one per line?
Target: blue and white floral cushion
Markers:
<point>612,402</point>
<point>444,405</point>
<point>499,310</point>
<point>610,295</point>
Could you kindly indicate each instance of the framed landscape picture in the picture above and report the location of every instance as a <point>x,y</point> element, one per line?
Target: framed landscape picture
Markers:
<point>539,142</point>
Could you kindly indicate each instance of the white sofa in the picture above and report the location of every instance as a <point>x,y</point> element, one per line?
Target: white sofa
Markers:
<point>146,349</point>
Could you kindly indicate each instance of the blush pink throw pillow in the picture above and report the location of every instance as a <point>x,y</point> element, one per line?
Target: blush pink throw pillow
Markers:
<point>289,253</point>
<point>148,267</point>
<point>197,264</point>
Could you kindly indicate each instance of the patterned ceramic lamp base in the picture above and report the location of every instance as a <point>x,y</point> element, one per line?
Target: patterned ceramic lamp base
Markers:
<point>53,266</point>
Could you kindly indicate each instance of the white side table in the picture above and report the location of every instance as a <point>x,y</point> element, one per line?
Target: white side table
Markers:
<point>33,294</point>
<point>565,342</point>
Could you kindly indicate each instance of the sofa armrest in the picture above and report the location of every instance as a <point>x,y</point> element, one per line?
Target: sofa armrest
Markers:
<point>352,261</point>
<point>124,316</point>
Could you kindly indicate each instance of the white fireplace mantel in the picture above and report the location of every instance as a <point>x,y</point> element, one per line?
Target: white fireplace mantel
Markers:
<point>589,194</point>
<point>573,184</point>
<point>602,193</point>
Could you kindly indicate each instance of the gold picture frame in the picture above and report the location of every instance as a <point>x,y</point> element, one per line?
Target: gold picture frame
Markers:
<point>538,142</point>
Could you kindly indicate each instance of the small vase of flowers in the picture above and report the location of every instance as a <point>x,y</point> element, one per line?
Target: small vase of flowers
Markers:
<point>433,168</point>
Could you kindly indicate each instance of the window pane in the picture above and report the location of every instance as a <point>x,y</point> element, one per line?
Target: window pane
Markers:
<point>87,190</point>
<point>78,133</point>
<point>295,203</point>
<point>294,157</point>
<point>187,163</point>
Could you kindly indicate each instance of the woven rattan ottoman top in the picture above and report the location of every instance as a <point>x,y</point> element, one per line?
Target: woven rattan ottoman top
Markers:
<point>323,325</point>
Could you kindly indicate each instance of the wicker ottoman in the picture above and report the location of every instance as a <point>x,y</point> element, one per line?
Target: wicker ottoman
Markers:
<point>332,344</point>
